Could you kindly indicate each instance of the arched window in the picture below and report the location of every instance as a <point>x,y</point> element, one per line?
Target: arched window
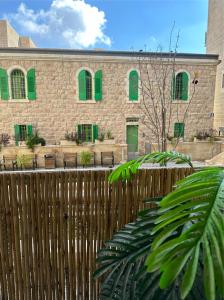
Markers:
<point>133,85</point>
<point>85,85</point>
<point>180,86</point>
<point>18,86</point>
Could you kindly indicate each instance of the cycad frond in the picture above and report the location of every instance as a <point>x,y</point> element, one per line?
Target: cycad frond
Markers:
<point>197,203</point>
<point>122,260</point>
<point>129,168</point>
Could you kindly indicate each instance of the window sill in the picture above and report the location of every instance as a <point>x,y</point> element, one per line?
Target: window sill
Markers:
<point>177,101</point>
<point>87,101</point>
<point>18,101</point>
<point>133,102</point>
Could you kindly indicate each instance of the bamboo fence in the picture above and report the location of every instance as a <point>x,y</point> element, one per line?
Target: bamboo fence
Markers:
<point>53,223</point>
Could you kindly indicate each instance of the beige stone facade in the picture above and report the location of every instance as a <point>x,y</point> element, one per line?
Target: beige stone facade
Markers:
<point>215,45</point>
<point>10,38</point>
<point>57,108</point>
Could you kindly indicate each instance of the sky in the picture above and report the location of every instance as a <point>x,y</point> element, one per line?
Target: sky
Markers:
<point>131,25</point>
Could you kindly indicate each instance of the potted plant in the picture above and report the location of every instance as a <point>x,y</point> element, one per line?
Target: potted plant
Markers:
<point>109,138</point>
<point>4,140</point>
<point>33,140</point>
<point>71,138</point>
<point>24,161</point>
<point>85,158</point>
<point>101,138</point>
<point>205,135</point>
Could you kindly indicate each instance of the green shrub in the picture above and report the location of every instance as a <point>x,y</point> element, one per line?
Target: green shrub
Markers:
<point>85,158</point>
<point>33,139</point>
<point>101,137</point>
<point>73,137</point>
<point>109,135</point>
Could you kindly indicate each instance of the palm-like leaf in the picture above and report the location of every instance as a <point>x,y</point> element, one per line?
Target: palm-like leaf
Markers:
<point>123,261</point>
<point>197,203</point>
<point>127,169</point>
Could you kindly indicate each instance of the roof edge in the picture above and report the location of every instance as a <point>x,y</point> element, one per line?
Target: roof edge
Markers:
<point>108,53</point>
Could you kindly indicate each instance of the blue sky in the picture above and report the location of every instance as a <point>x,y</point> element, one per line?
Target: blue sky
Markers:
<point>110,24</point>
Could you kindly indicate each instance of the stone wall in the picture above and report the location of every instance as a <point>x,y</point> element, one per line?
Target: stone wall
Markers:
<point>57,108</point>
<point>3,34</point>
<point>198,151</point>
<point>215,45</point>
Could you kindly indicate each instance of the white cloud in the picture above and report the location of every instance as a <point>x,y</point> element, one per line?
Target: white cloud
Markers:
<point>79,24</point>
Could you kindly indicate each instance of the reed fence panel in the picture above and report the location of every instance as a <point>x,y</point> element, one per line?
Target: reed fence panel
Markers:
<point>53,223</point>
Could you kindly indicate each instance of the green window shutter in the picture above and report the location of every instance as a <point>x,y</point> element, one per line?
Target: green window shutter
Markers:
<point>179,130</point>
<point>4,89</point>
<point>29,130</point>
<point>133,85</point>
<point>173,87</point>
<point>98,85</point>
<point>82,85</point>
<point>79,130</point>
<point>17,134</point>
<point>31,84</point>
<point>184,94</point>
<point>95,132</point>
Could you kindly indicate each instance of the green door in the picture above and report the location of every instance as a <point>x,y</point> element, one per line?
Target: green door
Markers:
<point>132,138</point>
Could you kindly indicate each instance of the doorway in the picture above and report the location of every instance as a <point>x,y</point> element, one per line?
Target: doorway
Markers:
<point>132,141</point>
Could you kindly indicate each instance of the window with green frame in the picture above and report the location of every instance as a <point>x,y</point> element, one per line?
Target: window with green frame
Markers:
<point>87,132</point>
<point>180,86</point>
<point>18,84</point>
<point>21,132</point>
<point>179,130</point>
<point>87,84</point>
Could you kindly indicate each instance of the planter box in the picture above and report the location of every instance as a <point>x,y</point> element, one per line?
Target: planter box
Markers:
<point>106,142</point>
<point>206,140</point>
<point>50,161</point>
<point>22,144</point>
<point>67,143</point>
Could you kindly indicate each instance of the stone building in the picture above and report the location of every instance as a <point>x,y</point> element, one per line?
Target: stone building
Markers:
<point>57,91</point>
<point>215,44</point>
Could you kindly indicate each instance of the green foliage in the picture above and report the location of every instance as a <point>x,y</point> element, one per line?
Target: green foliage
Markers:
<point>129,168</point>
<point>101,137</point>
<point>183,242</point>
<point>23,161</point>
<point>122,260</point>
<point>33,139</point>
<point>109,135</point>
<point>198,204</point>
<point>73,137</point>
<point>85,158</point>
<point>41,141</point>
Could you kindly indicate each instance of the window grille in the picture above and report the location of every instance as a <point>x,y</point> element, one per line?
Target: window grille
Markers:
<point>179,86</point>
<point>86,133</point>
<point>18,87</point>
<point>88,86</point>
<point>22,132</point>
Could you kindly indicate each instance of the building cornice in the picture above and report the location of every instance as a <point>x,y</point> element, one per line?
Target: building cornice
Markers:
<point>68,54</point>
